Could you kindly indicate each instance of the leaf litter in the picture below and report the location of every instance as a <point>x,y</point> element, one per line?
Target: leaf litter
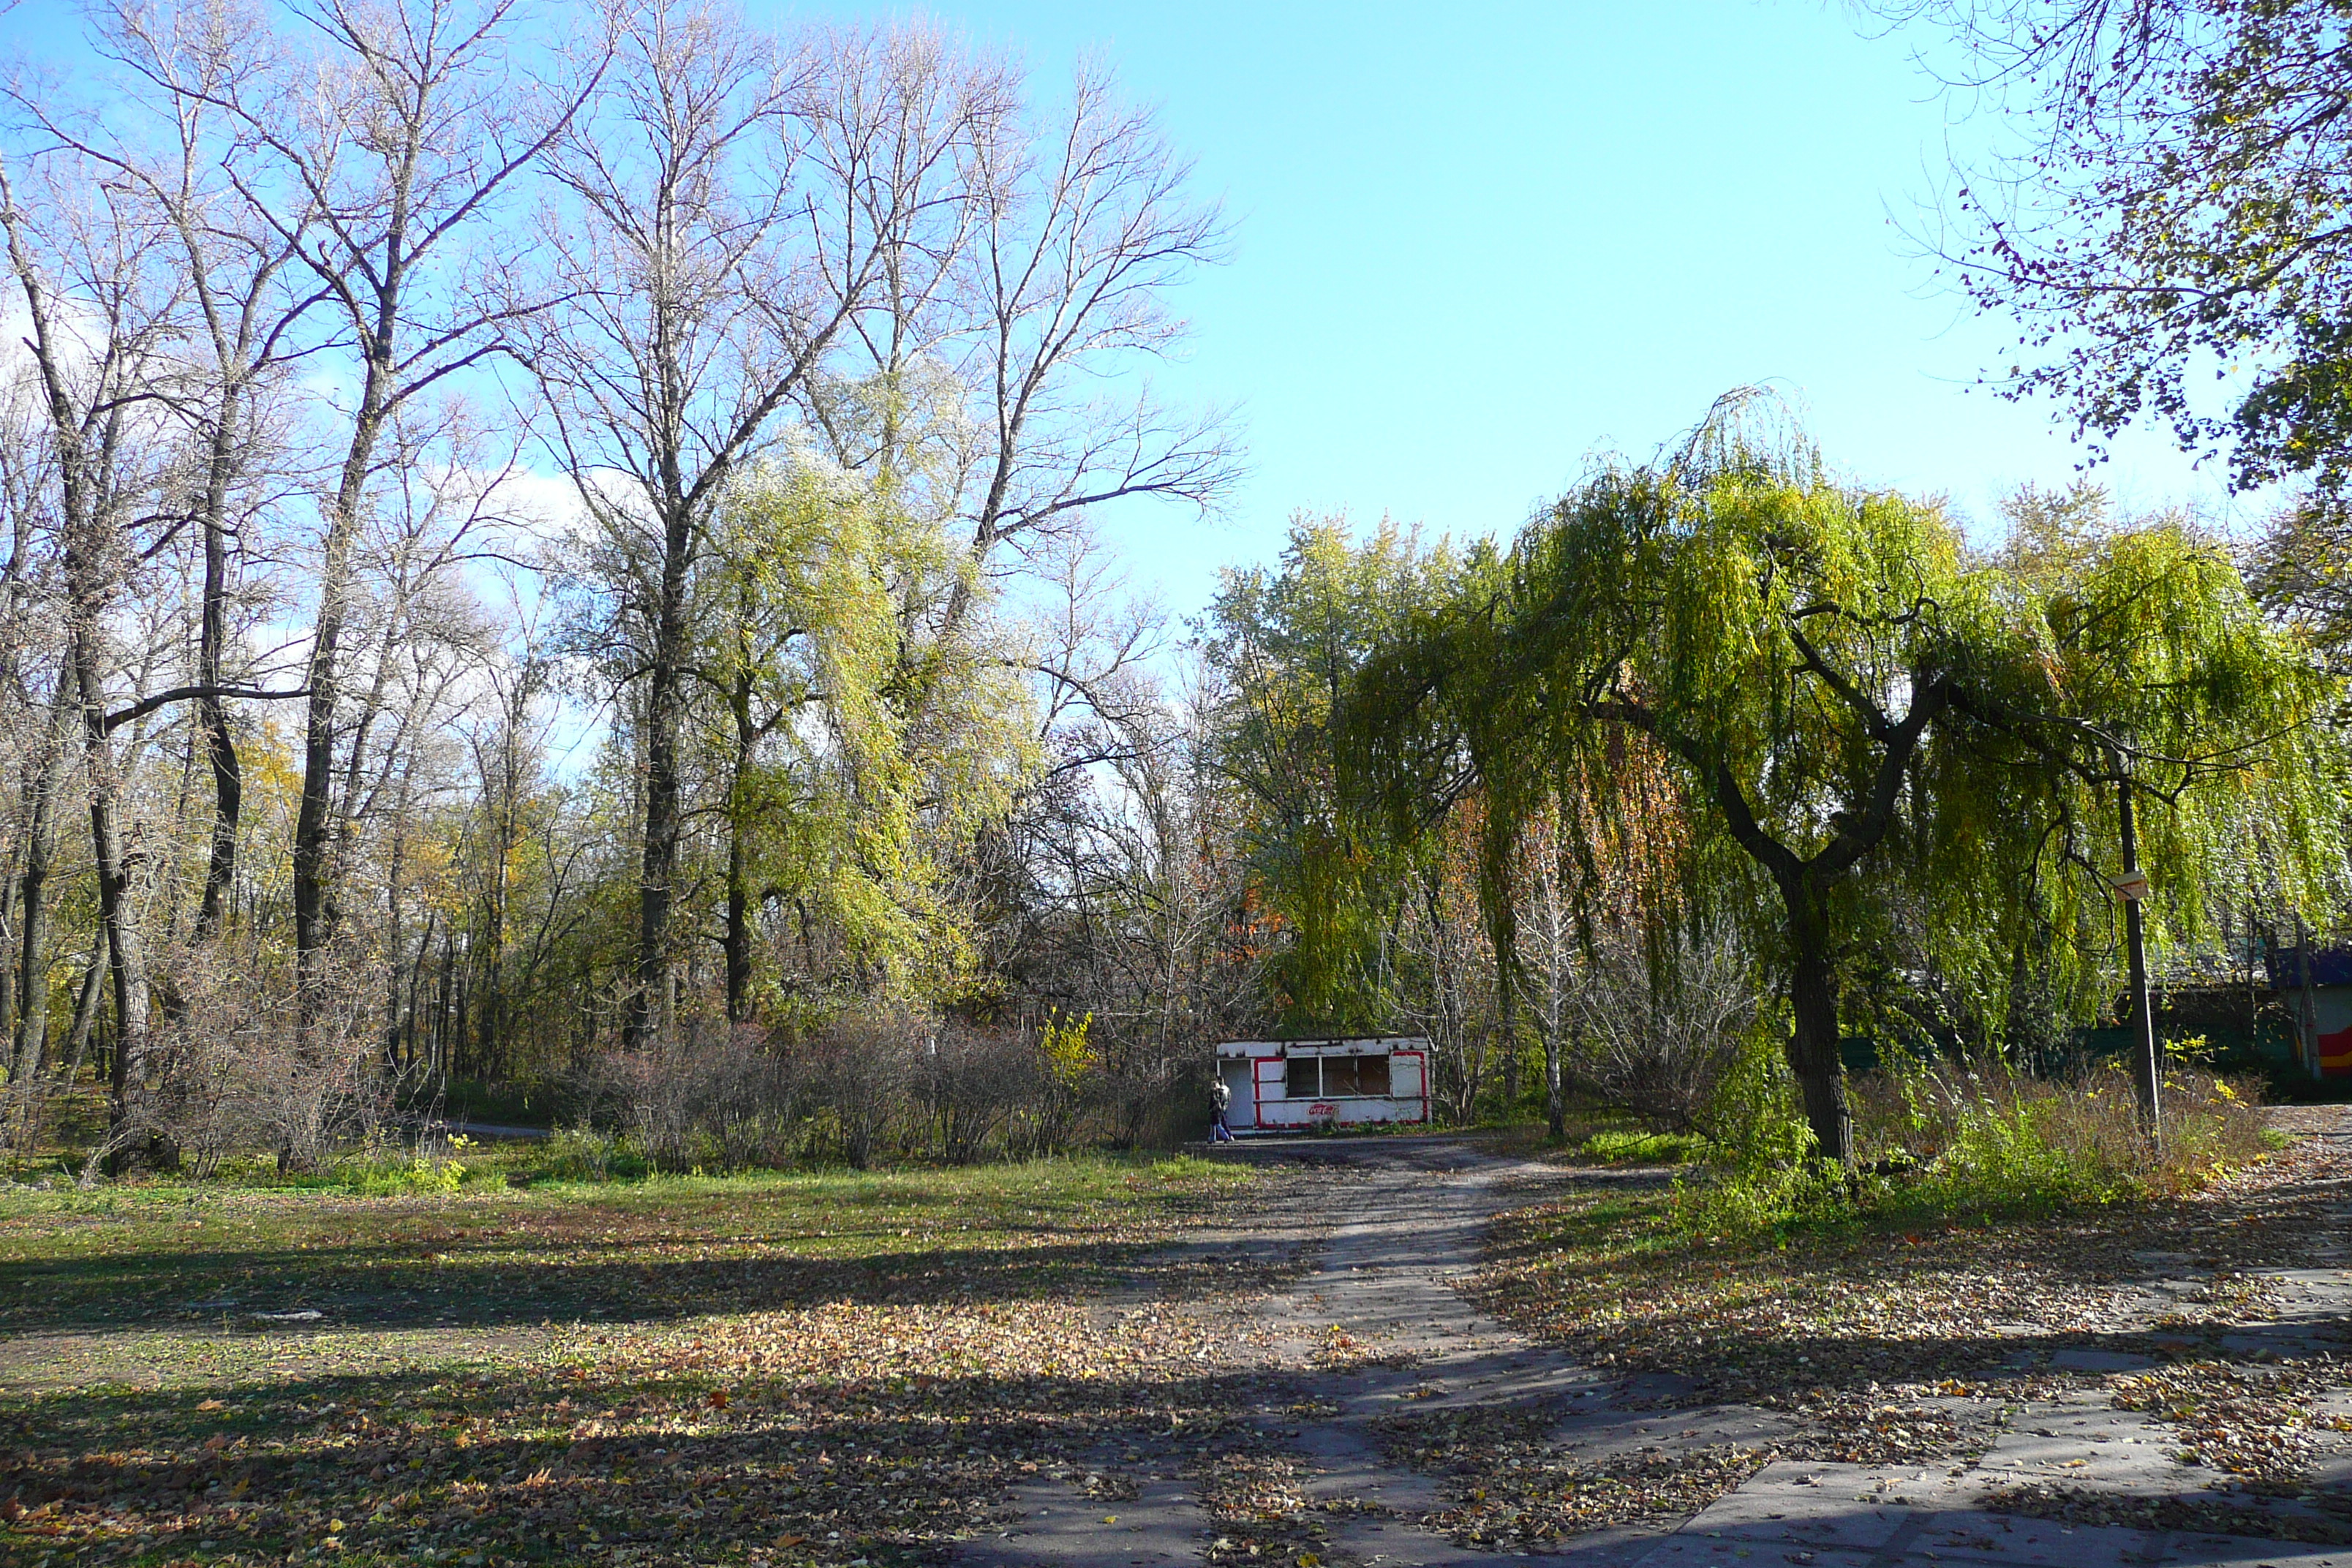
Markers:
<point>1895,1348</point>
<point>879,1415</point>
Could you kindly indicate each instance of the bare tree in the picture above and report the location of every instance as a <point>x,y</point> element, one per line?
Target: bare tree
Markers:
<point>378,156</point>
<point>1084,226</point>
<point>168,140</point>
<point>101,315</point>
<point>1659,1019</point>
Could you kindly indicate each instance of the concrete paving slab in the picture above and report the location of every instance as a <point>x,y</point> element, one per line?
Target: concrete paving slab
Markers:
<point>1699,1552</point>
<point>1851,1507</point>
<point>2186,1548</point>
<point>2100,1360</point>
<point>2086,1442</point>
<point>1600,1433</point>
<point>1163,1524</point>
<point>1820,1506</point>
<point>1348,1465</point>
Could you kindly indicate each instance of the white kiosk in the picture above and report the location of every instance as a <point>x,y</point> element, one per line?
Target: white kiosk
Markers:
<point>1292,1086</point>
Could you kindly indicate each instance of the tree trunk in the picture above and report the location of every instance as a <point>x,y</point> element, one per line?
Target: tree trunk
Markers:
<point>738,864</point>
<point>316,822</point>
<point>87,998</point>
<point>649,1002</point>
<point>211,713</point>
<point>739,930</point>
<point>1555,1091</point>
<point>1813,1054</point>
<point>40,856</point>
<point>1510,1031</point>
<point>2147,1073</point>
<point>142,1142</point>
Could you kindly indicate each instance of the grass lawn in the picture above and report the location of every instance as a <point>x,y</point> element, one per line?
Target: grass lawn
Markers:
<point>757,1369</point>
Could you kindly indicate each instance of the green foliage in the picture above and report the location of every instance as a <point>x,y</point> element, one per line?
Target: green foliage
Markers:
<point>420,1174</point>
<point>859,754</point>
<point>373,1171</point>
<point>1068,1055</point>
<point>1895,751</point>
<point>1757,1121</point>
<point>1626,1146</point>
<point>1979,1139</point>
<point>585,1154</point>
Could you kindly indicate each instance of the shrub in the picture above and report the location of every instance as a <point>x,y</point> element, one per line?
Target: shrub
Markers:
<point>235,1073</point>
<point>384,1178</point>
<point>1621,1147</point>
<point>1659,1031</point>
<point>972,1084</point>
<point>858,1072</point>
<point>711,1098</point>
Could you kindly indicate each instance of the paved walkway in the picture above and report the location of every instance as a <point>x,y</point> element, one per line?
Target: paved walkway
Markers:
<point>1378,1328</point>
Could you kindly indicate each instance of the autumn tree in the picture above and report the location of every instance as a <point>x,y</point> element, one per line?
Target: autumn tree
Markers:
<point>1287,644</point>
<point>1858,708</point>
<point>733,205</point>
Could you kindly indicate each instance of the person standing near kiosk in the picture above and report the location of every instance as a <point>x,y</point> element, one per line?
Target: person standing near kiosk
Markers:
<point>1220,1097</point>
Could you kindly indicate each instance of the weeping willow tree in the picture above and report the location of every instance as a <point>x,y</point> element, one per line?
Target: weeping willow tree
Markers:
<point>1862,712</point>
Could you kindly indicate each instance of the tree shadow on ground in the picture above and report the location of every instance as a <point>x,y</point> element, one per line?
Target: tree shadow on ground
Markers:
<point>544,1463</point>
<point>486,1282</point>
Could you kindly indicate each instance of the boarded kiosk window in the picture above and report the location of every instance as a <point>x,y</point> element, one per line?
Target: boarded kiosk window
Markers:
<point>1303,1083</point>
<point>1340,1076</point>
<point>1371,1075</point>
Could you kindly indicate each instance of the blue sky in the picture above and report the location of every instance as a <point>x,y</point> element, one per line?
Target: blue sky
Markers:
<point>1476,242</point>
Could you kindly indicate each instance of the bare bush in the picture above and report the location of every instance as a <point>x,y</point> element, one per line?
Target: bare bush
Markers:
<point>859,1072</point>
<point>973,1083</point>
<point>1657,1029</point>
<point>707,1098</point>
<point>236,1071</point>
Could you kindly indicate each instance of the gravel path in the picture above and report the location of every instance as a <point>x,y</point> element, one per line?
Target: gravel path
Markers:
<point>1375,1346</point>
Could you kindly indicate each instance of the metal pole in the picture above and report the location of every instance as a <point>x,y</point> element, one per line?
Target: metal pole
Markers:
<point>2306,1011</point>
<point>2143,1064</point>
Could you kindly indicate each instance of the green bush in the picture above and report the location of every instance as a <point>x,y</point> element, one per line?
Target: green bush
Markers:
<point>383,1179</point>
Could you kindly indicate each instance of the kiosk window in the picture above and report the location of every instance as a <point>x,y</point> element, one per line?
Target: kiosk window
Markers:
<point>1371,1075</point>
<point>1304,1084</point>
<point>1340,1076</point>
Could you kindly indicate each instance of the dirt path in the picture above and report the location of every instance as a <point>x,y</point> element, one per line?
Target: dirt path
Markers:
<point>1377,1334</point>
<point>1374,1364</point>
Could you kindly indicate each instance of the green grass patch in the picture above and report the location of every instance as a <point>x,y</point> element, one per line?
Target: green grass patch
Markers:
<point>425,1245</point>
